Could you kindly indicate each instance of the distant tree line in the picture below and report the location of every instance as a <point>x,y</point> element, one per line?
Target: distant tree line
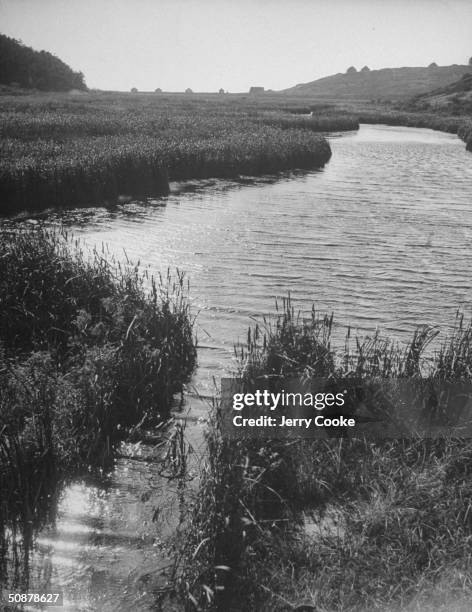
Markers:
<point>23,66</point>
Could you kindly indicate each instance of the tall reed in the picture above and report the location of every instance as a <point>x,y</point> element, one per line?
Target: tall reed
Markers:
<point>56,152</point>
<point>393,515</point>
<point>89,348</point>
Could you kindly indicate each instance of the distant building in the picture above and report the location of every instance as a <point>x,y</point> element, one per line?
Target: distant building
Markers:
<point>222,91</point>
<point>256,90</point>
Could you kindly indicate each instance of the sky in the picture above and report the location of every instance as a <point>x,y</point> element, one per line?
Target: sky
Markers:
<point>236,44</point>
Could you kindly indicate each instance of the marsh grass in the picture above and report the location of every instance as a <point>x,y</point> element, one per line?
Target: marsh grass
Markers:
<point>402,508</point>
<point>316,121</point>
<point>89,348</point>
<point>57,151</point>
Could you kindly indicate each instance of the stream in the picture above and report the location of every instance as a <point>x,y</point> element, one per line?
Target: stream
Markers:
<point>382,236</point>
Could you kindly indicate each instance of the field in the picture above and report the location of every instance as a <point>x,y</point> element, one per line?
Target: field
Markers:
<point>60,150</point>
<point>335,524</point>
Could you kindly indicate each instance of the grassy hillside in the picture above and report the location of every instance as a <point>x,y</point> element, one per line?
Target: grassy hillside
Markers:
<point>387,84</point>
<point>455,98</point>
<point>22,66</point>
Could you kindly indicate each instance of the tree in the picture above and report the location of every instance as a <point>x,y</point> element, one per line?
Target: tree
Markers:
<point>35,69</point>
<point>351,70</point>
<point>433,65</point>
<point>158,90</point>
<point>470,61</point>
<point>365,69</point>
<point>134,90</point>
<point>188,90</point>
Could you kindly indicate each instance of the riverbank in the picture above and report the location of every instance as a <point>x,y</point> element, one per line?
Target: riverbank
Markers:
<point>460,125</point>
<point>87,353</point>
<point>60,150</point>
<point>338,523</point>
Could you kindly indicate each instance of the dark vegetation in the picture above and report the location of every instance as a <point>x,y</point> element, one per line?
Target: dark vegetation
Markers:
<point>63,151</point>
<point>391,521</point>
<point>89,349</point>
<point>387,84</point>
<point>22,66</point>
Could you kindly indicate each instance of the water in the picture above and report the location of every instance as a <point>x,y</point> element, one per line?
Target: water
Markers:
<point>382,236</point>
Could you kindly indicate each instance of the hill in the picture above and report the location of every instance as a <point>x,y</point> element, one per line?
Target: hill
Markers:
<point>384,84</point>
<point>22,66</point>
<point>455,98</point>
